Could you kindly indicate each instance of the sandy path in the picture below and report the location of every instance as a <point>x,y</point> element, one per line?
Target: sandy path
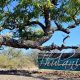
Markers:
<point>14,77</point>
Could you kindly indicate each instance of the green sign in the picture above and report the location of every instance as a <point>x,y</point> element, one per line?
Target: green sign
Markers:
<point>59,61</point>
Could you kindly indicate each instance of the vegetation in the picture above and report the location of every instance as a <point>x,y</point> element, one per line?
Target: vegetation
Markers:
<point>24,21</point>
<point>10,59</point>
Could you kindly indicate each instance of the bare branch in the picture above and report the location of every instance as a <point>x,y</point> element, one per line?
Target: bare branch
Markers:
<point>71,26</point>
<point>60,28</point>
<point>64,30</point>
<point>65,38</point>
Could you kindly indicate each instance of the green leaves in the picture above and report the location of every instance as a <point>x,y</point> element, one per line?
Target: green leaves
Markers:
<point>31,34</point>
<point>29,10</point>
<point>72,8</point>
<point>47,3</point>
<point>67,11</point>
<point>76,1</point>
<point>3,3</point>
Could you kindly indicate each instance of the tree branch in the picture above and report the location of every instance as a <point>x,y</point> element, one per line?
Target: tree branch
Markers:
<point>48,48</point>
<point>77,22</point>
<point>36,22</point>
<point>43,39</point>
<point>65,38</point>
<point>47,19</point>
<point>21,43</point>
<point>30,44</point>
<point>71,26</point>
<point>17,43</point>
<point>54,2</point>
<point>5,25</point>
<point>60,28</point>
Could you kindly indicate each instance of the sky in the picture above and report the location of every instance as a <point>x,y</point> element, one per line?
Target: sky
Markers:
<point>58,35</point>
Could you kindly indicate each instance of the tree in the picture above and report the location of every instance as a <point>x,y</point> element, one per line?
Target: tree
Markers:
<point>25,16</point>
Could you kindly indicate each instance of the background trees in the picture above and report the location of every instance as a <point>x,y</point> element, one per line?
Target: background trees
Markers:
<point>23,21</point>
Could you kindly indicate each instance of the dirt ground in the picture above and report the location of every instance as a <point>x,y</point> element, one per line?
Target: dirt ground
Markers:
<point>39,75</point>
<point>14,77</point>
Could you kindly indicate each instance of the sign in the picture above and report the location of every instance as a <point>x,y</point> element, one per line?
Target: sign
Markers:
<point>59,61</point>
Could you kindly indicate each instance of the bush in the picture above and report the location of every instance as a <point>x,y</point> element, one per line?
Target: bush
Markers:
<point>15,59</point>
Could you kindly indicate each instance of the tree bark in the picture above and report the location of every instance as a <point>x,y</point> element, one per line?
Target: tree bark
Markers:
<point>47,20</point>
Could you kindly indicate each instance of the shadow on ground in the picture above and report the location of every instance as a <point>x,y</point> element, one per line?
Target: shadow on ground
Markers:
<point>22,73</point>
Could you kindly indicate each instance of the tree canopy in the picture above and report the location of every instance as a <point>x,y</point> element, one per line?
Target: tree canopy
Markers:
<point>25,17</point>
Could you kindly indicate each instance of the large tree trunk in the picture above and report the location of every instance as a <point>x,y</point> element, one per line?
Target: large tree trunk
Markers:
<point>47,20</point>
